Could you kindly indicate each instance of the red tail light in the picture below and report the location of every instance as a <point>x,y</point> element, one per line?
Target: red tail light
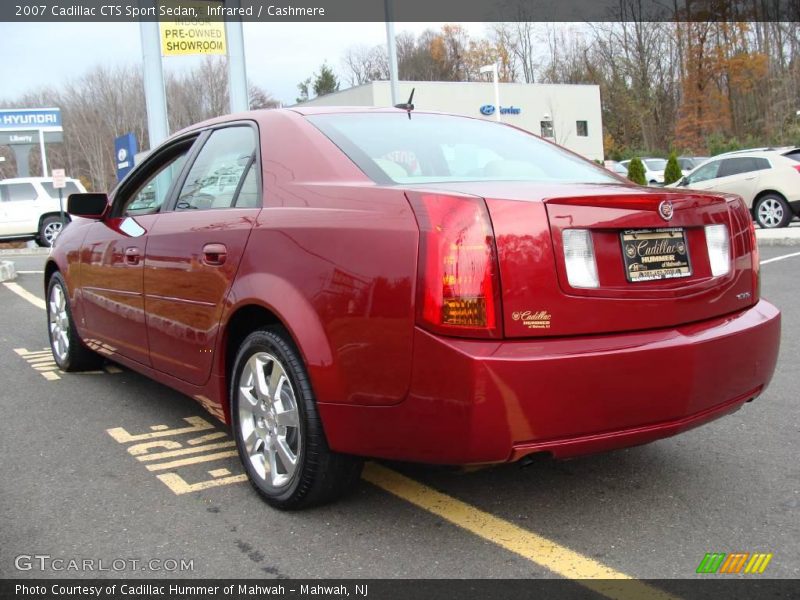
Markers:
<point>458,288</point>
<point>756,262</point>
<point>796,168</point>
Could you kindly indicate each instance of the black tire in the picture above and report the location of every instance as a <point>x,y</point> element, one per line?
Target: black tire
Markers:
<point>319,475</point>
<point>49,229</point>
<point>771,211</point>
<point>69,351</point>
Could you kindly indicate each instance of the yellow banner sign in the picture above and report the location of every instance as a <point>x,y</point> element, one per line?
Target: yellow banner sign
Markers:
<point>197,34</point>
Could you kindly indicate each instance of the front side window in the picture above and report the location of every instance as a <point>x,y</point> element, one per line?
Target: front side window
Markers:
<point>150,195</point>
<point>704,173</point>
<point>427,148</point>
<point>18,192</point>
<point>214,178</point>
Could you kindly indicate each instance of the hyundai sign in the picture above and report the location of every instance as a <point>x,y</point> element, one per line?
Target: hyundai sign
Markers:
<point>30,118</point>
<point>488,110</point>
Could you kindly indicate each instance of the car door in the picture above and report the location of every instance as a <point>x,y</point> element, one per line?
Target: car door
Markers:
<point>194,249</point>
<point>21,210</point>
<point>738,175</point>
<point>112,255</point>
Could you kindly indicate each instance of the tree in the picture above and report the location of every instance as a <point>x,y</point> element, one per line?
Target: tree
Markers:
<point>364,64</point>
<point>303,88</point>
<point>673,171</point>
<point>325,82</point>
<point>636,171</point>
<point>260,98</point>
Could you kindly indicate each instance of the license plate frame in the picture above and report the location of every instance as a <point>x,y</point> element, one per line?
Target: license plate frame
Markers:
<point>655,254</point>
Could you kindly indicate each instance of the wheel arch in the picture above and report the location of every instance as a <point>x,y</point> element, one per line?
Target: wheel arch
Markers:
<point>50,267</point>
<point>44,216</point>
<point>288,309</point>
<point>763,193</point>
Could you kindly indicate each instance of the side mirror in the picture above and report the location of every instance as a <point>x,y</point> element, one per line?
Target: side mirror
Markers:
<point>683,181</point>
<point>88,206</point>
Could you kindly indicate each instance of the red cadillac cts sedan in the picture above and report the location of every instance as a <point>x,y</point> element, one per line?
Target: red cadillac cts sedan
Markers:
<point>347,283</point>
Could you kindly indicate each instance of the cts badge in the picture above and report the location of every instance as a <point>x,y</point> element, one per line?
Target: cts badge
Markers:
<point>665,209</point>
<point>487,109</point>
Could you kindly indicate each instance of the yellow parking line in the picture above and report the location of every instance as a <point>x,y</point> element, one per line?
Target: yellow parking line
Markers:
<point>531,546</point>
<point>191,461</point>
<point>26,295</point>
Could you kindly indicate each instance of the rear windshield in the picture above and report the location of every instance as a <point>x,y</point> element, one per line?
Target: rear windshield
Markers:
<point>656,164</point>
<point>69,188</point>
<point>427,148</point>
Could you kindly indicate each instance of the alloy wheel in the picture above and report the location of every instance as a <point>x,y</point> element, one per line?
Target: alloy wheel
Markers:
<point>58,318</point>
<point>51,231</point>
<point>269,420</point>
<point>770,212</point>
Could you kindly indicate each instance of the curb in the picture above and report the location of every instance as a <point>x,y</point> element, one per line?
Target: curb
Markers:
<point>778,241</point>
<point>28,251</point>
<point>7,271</point>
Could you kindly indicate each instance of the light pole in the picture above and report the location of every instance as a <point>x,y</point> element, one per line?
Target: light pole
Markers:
<point>493,70</point>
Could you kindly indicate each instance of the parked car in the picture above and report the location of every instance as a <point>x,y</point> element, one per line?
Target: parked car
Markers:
<point>769,182</point>
<point>687,163</point>
<point>653,169</point>
<point>411,286</point>
<point>616,167</point>
<point>30,210</point>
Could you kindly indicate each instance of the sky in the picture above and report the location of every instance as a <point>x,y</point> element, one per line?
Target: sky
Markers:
<point>278,55</point>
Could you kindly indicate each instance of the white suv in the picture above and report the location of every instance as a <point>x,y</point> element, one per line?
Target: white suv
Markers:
<point>29,208</point>
<point>768,180</point>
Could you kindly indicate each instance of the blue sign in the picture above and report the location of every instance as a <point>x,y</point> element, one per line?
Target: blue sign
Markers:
<point>489,109</point>
<point>124,151</point>
<point>30,118</point>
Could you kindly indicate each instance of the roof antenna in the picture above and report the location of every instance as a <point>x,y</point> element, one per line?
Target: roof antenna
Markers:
<point>408,106</point>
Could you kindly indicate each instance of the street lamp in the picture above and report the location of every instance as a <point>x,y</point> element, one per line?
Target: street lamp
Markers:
<point>493,70</point>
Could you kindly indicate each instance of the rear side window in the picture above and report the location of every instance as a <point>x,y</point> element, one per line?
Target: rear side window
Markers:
<point>213,180</point>
<point>794,155</point>
<point>16,192</point>
<point>248,193</point>
<point>736,166</point>
<point>70,188</point>
<point>760,164</point>
<point>391,148</point>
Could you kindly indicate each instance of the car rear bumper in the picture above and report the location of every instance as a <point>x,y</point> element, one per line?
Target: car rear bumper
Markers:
<point>480,401</point>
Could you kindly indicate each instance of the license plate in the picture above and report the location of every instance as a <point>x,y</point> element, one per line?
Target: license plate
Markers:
<point>653,254</point>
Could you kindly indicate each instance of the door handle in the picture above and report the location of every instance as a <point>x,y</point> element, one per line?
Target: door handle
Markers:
<point>215,254</point>
<point>132,256</point>
<point>750,178</point>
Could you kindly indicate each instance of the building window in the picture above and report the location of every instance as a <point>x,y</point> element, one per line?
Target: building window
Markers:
<point>583,128</point>
<point>547,129</point>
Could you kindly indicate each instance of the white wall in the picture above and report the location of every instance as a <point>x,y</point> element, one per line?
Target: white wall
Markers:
<point>565,104</point>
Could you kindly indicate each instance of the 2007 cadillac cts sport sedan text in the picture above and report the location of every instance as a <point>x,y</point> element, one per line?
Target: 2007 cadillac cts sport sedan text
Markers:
<point>347,283</point>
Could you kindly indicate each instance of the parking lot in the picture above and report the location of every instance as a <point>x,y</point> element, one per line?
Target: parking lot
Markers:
<point>80,480</point>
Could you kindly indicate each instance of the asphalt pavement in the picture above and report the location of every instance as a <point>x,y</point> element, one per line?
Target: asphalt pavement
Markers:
<point>98,466</point>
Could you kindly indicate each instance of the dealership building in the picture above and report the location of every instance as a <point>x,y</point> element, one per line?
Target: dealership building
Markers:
<point>567,114</point>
